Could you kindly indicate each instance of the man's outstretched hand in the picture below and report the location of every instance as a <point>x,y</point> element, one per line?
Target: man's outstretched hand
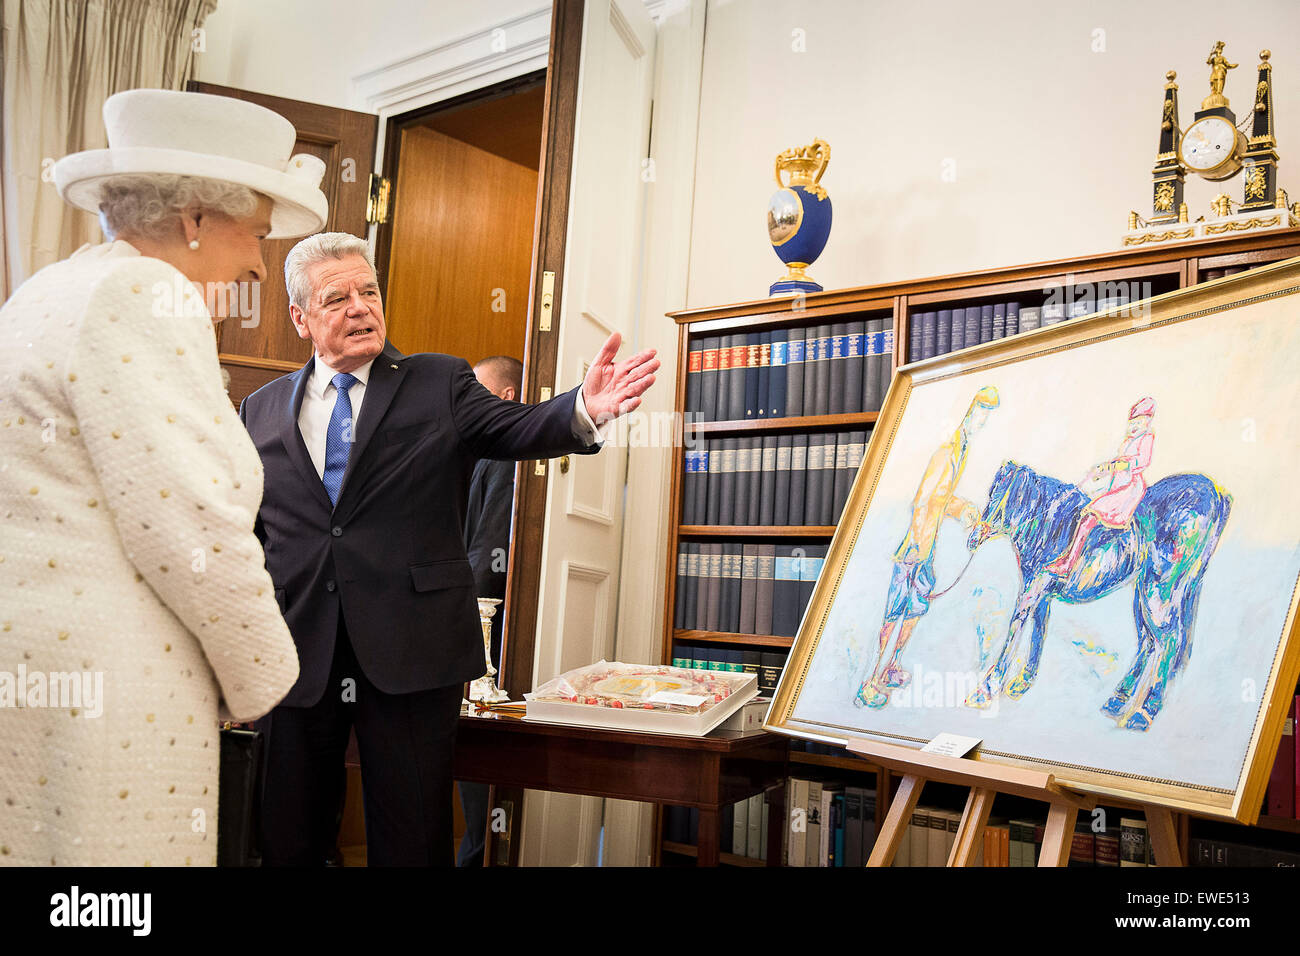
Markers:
<point>613,389</point>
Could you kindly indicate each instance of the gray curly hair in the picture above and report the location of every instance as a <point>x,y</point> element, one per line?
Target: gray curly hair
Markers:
<point>319,248</point>
<point>148,204</point>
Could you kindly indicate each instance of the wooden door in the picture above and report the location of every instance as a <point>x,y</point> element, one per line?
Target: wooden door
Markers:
<point>583,516</point>
<point>461,244</point>
<point>259,350</point>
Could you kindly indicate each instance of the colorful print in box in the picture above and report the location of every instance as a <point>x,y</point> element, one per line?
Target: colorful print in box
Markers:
<point>799,216</point>
<point>654,698</point>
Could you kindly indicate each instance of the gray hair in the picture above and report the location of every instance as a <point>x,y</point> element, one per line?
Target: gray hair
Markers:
<point>321,247</point>
<point>148,204</point>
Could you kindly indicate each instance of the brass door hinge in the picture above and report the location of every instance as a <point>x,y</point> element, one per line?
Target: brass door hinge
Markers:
<point>543,395</point>
<point>377,202</point>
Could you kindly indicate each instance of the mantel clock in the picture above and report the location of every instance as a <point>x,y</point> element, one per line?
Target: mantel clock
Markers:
<point>1216,147</point>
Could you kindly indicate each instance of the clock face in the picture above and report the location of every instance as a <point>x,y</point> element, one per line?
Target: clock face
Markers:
<point>1208,143</point>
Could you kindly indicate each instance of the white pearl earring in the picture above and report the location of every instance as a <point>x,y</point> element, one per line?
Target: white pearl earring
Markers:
<point>194,243</point>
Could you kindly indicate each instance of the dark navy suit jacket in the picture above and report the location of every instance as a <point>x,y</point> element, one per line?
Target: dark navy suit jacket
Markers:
<point>390,556</point>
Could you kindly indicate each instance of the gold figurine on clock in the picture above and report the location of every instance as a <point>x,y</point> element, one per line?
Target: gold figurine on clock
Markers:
<point>1215,147</point>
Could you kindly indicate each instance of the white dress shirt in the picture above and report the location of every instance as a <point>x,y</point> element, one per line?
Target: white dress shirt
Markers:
<point>320,394</point>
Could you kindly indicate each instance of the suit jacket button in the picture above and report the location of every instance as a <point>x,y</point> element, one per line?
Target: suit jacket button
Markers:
<point>336,531</point>
<point>331,586</point>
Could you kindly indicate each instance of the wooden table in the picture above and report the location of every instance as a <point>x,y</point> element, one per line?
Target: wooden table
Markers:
<point>707,773</point>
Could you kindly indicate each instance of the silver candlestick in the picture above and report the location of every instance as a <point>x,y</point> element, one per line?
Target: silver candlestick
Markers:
<point>485,688</point>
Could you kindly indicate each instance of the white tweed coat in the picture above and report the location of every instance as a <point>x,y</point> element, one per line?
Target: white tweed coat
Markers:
<point>128,491</point>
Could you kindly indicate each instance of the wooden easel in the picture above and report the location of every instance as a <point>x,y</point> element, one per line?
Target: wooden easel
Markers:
<point>986,781</point>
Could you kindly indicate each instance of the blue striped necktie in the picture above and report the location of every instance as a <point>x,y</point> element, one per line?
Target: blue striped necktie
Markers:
<point>338,437</point>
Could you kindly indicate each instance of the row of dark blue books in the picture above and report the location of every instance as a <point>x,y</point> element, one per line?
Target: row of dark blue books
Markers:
<point>771,480</point>
<point>941,331</point>
<point>945,330</point>
<point>745,589</point>
<point>786,373</point>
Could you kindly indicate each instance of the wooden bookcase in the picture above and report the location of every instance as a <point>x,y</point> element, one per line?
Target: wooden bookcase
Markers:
<point>1165,267</point>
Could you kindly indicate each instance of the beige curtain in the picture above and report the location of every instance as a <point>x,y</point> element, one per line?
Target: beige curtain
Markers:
<point>62,59</point>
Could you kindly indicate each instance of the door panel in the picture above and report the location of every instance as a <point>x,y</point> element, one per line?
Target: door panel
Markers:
<point>597,480</point>
<point>583,526</point>
<point>585,604</point>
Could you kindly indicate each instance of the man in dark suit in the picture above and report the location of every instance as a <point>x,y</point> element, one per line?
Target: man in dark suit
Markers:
<point>490,508</point>
<point>367,456</point>
<point>487,542</point>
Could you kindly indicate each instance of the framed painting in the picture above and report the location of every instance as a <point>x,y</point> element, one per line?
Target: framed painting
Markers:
<point>1080,545</point>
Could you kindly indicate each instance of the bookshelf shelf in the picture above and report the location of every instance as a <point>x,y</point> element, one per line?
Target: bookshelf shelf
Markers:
<point>729,637</point>
<point>756,531</point>
<point>728,859</point>
<point>892,309</point>
<point>810,422</point>
<point>853,764</point>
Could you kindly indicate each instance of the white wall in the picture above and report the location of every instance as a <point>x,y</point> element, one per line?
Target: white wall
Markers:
<point>311,49</point>
<point>1053,143</point>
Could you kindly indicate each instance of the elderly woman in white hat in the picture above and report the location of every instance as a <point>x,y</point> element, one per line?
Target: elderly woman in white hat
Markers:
<point>136,608</point>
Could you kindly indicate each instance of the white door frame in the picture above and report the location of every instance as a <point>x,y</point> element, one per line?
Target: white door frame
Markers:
<point>500,52</point>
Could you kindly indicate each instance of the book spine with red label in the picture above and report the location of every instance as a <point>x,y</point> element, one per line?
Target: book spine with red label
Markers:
<point>739,370</point>
<point>1083,848</point>
<point>708,407</point>
<point>694,365</point>
<point>725,358</point>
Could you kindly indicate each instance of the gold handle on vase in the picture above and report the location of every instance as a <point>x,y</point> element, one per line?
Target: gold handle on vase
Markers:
<point>823,153</point>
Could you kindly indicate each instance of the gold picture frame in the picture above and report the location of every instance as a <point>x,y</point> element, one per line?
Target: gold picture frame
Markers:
<point>1210,350</point>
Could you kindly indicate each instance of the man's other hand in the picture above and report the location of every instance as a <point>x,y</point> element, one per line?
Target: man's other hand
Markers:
<point>614,389</point>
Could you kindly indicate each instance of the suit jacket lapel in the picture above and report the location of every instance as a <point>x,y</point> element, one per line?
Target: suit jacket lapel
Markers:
<point>386,375</point>
<point>291,437</point>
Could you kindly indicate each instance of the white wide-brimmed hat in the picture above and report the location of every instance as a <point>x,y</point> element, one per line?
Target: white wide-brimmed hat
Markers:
<point>197,134</point>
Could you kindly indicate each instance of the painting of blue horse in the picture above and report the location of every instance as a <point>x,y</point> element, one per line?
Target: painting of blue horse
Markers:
<point>1164,551</point>
<point>1051,577</point>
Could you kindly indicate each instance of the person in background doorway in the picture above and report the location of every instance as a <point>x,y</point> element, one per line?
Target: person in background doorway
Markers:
<point>487,542</point>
